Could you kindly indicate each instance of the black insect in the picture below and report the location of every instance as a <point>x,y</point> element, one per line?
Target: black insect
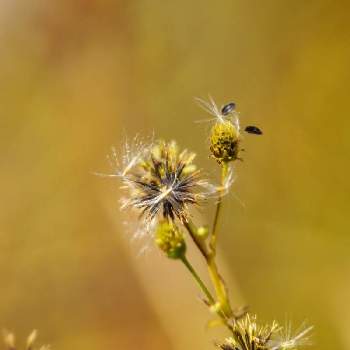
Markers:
<point>253,130</point>
<point>227,109</point>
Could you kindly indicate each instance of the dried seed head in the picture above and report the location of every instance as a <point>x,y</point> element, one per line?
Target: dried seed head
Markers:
<point>170,240</point>
<point>224,142</point>
<point>286,339</point>
<point>225,133</point>
<point>248,335</point>
<point>164,182</point>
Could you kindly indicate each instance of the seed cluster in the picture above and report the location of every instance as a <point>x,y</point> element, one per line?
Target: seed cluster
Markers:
<point>224,141</point>
<point>247,334</point>
<point>170,240</point>
<point>164,182</point>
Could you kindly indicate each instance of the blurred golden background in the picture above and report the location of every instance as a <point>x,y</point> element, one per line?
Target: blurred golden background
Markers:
<point>79,75</point>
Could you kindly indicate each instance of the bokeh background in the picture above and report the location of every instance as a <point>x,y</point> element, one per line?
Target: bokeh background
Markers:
<point>79,76</point>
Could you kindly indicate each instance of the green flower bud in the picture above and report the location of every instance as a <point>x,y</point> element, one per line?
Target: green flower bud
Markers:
<point>170,240</point>
<point>202,232</point>
<point>224,142</point>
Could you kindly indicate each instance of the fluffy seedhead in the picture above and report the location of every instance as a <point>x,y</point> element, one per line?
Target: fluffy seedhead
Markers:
<point>248,335</point>
<point>287,339</point>
<point>163,182</point>
<point>225,133</point>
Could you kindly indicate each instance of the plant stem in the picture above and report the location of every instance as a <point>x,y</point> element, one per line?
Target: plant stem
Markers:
<point>213,238</point>
<point>225,310</point>
<point>192,230</point>
<point>220,287</point>
<point>206,291</point>
<point>218,283</point>
<point>201,284</point>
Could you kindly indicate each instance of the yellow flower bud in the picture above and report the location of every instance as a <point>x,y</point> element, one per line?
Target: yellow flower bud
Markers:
<point>202,232</point>
<point>170,240</point>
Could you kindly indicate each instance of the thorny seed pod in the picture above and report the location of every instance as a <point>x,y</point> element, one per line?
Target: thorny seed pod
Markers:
<point>163,182</point>
<point>170,240</point>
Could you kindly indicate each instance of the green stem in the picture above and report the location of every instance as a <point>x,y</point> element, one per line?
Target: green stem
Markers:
<point>213,238</point>
<point>220,287</point>
<point>225,310</point>
<point>218,283</point>
<point>201,284</point>
<point>205,290</point>
<point>192,230</point>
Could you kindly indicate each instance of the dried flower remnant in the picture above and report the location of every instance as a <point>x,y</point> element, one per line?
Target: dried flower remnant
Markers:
<point>286,339</point>
<point>10,341</point>
<point>225,134</point>
<point>132,154</point>
<point>247,334</point>
<point>164,182</point>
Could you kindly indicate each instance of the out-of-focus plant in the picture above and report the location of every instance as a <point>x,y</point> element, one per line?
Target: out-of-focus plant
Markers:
<point>162,184</point>
<point>10,341</point>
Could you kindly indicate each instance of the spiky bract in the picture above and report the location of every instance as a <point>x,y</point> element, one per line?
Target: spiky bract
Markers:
<point>164,182</point>
<point>248,335</point>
